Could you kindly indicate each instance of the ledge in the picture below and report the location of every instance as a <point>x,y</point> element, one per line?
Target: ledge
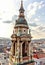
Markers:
<point>26,63</point>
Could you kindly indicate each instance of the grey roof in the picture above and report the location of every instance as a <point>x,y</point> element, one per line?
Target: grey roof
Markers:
<point>1,50</point>
<point>21,20</point>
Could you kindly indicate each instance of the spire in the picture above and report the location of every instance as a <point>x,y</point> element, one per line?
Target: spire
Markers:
<point>21,4</point>
<point>21,8</point>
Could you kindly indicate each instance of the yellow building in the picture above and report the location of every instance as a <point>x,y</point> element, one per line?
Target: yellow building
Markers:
<point>21,38</point>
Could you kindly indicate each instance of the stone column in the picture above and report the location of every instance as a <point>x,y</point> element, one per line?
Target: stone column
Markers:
<point>29,51</point>
<point>11,52</point>
<point>21,52</point>
<point>17,51</point>
<point>12,48</point>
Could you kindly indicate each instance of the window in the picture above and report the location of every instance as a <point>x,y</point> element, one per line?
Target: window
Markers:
<point>4,57</point>
<point>24,30</point>
<point>44,64</point>
<point>20,31</point>
<point>0,63</point>
<point>3,63</point>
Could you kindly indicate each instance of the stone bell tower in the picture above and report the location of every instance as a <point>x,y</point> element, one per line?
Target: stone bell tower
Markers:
<point>21,38</point>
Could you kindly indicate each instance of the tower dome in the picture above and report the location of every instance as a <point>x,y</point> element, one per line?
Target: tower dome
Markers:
<point>21,21</point>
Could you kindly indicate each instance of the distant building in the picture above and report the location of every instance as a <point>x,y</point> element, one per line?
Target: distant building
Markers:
<point>40,61</point>
<point>39,54</point>
<point>3,58</point>
<point>3,54</point>
<point>20,53</point>
<point>5,43</point>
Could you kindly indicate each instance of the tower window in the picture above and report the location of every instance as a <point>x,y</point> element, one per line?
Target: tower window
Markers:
<point>24,30</point>
<point>19,30</point>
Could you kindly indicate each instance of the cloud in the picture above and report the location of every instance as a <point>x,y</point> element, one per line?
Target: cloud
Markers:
<point>33,7</point>
<point>8,9</point>
<point>41,28</point>
<point>14,17</point>
<point>33,24</point>
<point>38,32</point>
<point>43,31</point>
<point>41,4</point>
<point>34,31</point>
<point>7,21</point>
<point>0,18</point>
<point>36,19</point>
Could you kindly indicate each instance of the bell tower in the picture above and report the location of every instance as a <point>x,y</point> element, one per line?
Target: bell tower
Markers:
<point>21,38</point>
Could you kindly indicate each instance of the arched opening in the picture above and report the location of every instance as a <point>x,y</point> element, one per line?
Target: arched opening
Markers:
<point>14,49</point>
<point>24,49</point>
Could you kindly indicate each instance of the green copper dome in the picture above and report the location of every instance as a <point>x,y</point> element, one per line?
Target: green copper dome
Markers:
<point>21,21</point>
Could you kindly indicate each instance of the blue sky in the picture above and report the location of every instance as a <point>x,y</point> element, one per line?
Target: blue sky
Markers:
<point>34,13</point>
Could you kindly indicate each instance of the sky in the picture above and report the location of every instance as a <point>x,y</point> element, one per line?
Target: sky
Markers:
<point>34,14</point>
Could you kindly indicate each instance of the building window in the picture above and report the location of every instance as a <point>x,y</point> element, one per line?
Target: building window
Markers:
<point>4,57</point>
<point>3,63</point>
<point>20,31</point>
<point>0,63</point>
<point>44,64</point>
<point>24,30</point>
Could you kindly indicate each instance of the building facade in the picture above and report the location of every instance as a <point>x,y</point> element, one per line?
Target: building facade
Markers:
<point>21,38</point>
<point>3,59</point>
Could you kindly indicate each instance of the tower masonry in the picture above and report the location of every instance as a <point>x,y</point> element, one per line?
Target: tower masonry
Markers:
<point>21,39</point>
